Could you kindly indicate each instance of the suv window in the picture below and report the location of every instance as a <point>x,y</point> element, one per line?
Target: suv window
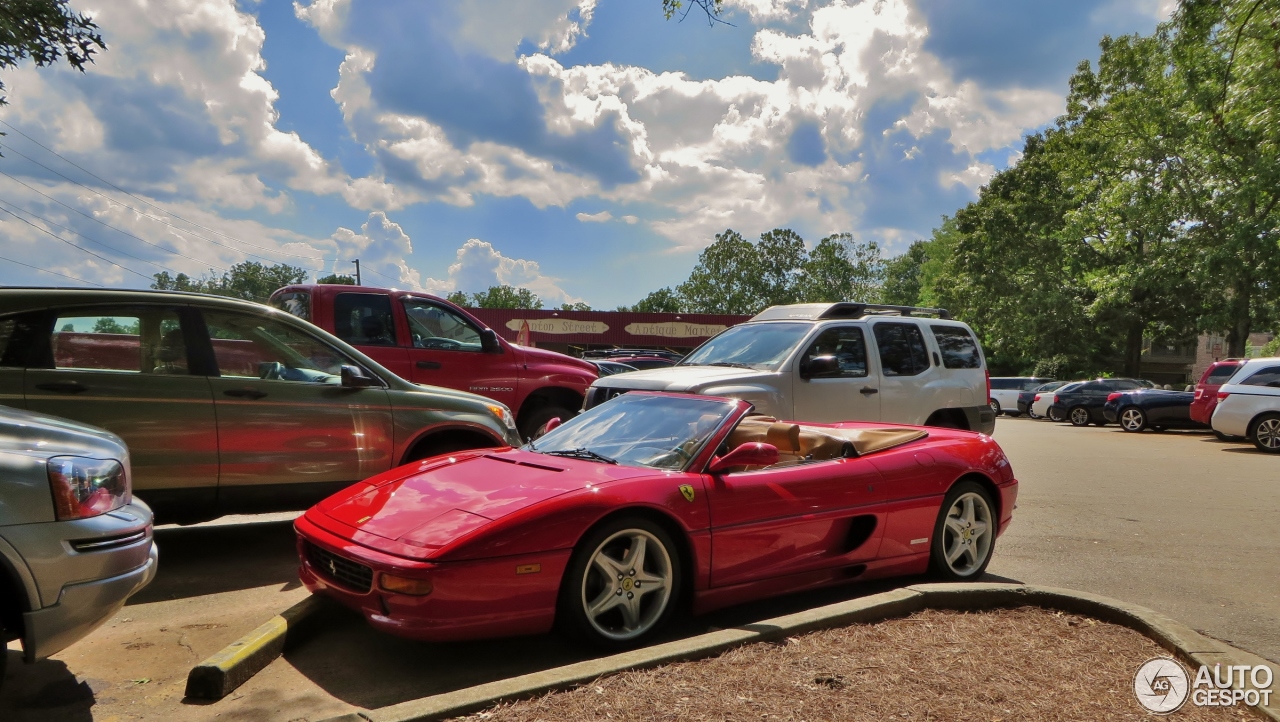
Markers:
<point>7,327</point>
<point>434,326</point>
<point>754,345</point>
<point>1269,376</point>
<point>364,319</point>
<point>297,303</point>
<point>1220,374</point>
<point>246,346</point>
<point>902,350</point>
<point>847,345</point>
<point>126,340</point>
<point>1126,385</point>
<point>959,350</point>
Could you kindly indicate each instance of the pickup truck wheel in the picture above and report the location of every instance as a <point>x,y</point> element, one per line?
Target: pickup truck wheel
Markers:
<point>535,420</point>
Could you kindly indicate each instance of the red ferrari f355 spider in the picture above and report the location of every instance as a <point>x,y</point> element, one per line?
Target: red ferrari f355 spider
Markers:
<point>652,502</point>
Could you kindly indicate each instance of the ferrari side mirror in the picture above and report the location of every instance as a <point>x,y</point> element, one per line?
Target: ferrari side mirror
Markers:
<point>546,428</point>
<point>753,453</point>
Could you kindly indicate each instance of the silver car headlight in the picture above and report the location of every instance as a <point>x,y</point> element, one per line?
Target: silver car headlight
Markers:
<point>86,487</point>
<point>504,414</point>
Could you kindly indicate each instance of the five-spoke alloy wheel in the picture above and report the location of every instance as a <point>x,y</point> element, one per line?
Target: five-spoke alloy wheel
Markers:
<point>1133,419</point>
<point>1079,416</point>
<point>1266,434</point>
<point>965,533</point>
<point>622,583</point>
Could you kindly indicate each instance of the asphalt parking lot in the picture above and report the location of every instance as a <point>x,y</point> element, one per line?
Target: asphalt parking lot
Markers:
<point>1179,522</point>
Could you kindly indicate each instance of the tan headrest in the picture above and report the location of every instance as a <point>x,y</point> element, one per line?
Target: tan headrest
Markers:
<point>786,437</point>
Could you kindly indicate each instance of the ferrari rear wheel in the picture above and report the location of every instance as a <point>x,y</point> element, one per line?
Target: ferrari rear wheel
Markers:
<point>1079,416</point>
<point>622,583</point>
<point>1133,419</point>
<point>965,533</point>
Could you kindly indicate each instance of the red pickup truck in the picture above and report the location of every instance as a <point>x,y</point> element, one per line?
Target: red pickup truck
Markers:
<point>428,340</point>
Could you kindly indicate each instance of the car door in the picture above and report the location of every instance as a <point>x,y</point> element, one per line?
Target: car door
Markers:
<point>904,371</point>
<point>791,519</point>
<point>848,392</point>
<point>366,321</point>
<point>447,351</point>
<point>130,370</point>
<point>287,430</point>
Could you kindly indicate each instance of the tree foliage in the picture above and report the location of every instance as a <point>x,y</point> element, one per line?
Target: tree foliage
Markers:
<point>44,31</point>
<point>337,279</point>
<point>663,300</point>
<point>498,297</point>
<point>249,280</point>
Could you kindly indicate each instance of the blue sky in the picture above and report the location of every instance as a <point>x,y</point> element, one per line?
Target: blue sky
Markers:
<point>587,149</point>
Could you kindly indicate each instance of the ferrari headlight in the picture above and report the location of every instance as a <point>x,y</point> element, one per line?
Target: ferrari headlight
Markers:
<point>503,413</point>
<point>86,487</point>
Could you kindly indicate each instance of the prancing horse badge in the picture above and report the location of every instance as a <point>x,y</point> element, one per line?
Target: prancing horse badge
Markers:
<point>687,490</point>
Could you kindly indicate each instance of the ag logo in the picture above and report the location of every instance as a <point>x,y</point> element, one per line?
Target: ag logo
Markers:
<point>687,490</point>
<point>1161,685</point>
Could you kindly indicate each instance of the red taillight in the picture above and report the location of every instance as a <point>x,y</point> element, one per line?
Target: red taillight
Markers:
<point>1222,395</point>
<point>1113,397</point>
<point>1037,397</point>
<point>1057,399</point>
<point>987,372</point>
<point>1199,392</point>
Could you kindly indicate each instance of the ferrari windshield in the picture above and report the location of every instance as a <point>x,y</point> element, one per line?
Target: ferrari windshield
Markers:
<point>660,432</point>
<point>750,345</point>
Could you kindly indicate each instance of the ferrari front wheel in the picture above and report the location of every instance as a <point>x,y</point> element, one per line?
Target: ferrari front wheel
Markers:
<point>622,583</point>
<point>965,533</point>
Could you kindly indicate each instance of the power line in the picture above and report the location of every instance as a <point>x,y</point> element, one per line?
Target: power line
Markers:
<point>108,225</point>
<point>69,243</point>
<point>45,270</point>
<point>148,203</point>
<point>38,217</point>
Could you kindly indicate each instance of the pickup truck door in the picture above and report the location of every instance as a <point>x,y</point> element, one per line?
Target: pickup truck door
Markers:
<point>446,350</point>
<point>850,392</point>
<point>366,321</point>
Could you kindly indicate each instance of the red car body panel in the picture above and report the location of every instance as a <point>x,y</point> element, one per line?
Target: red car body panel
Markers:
<point>1206,398</point>
<point>494,530</point>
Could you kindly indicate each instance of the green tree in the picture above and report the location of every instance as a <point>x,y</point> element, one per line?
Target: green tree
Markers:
<point>779,259</point>
<point>249,280</point>
<point>506,297</point>
<point>902,276</point>
<point>44,31</point>
<point>337,279</point>
<point>107,324</point>
<point>725,279</point>
<point>841,268</point>
<point>578,306</point>
<point>711,8</point>
<point>663,300</point>
<point>459,298</point>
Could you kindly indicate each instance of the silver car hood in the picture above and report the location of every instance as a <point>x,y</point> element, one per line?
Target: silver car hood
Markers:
<point>689,379</point>
<point>40,435</point>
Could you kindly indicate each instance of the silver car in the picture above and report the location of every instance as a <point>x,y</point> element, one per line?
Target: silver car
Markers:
<point>74,543</point>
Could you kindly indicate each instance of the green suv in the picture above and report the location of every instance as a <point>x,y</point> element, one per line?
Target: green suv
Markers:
<point>226,405</point>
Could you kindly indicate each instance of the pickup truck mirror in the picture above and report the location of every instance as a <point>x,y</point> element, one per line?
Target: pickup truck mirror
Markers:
<point>816,367</point>
<point>354,378</point>
<point>489,341</point>
<point>753,453</point>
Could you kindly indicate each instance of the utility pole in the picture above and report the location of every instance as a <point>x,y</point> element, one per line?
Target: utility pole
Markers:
<point>357,262</point>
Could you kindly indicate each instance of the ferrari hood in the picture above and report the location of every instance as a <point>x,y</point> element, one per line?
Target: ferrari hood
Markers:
<point>682,378</point>
<point>468,493</point>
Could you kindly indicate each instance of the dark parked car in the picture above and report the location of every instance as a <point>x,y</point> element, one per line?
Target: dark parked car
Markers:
<point>609,368</point>
<point>1150,409</point>
<point>1025,398</point>
<point>1082,404</point>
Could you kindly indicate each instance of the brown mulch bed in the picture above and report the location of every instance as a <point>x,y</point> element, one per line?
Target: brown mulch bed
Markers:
<point>995,666</point>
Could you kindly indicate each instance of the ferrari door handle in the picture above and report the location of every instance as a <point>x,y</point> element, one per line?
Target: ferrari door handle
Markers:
<point>245,393</point>
<point>64,387</point>
<point>867,391</point>
<point>428,364</point>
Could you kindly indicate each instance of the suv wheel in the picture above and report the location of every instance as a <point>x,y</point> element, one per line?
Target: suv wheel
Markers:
<point>1079,416</point>
<point>1266,433</point>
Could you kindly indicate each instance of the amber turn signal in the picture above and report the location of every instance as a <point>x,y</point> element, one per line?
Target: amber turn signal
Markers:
<point>405,585</point>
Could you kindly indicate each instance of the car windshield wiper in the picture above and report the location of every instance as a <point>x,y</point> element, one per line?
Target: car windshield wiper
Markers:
<point>581,453</point>
<point>731,364</point>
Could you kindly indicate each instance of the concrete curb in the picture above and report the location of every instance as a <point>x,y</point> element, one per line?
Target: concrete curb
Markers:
<point>1182,641</point>
<point>219,675</point>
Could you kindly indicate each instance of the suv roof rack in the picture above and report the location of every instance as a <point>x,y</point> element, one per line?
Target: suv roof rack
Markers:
<point>819,311</point>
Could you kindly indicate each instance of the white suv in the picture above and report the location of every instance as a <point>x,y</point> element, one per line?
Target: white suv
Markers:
<point>829,362</point>
<point>1249,404</point>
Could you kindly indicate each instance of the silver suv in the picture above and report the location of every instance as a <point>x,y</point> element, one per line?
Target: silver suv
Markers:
<point>830,362</point>
<point>74,543</point>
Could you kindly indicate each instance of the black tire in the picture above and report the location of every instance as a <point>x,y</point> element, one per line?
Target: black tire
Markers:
<point>1014,414</point>
<point>1265,433</point>
<point>1055,415</point>
<point>995,406</point>
<point>1078,416</point>
<point>1132,419</point>
<point>538,417</point>
<point>1226,437</point>
<point>584,582</point>
<point>445,443</point>
<point>4,652</point>
<point>946,536</point>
